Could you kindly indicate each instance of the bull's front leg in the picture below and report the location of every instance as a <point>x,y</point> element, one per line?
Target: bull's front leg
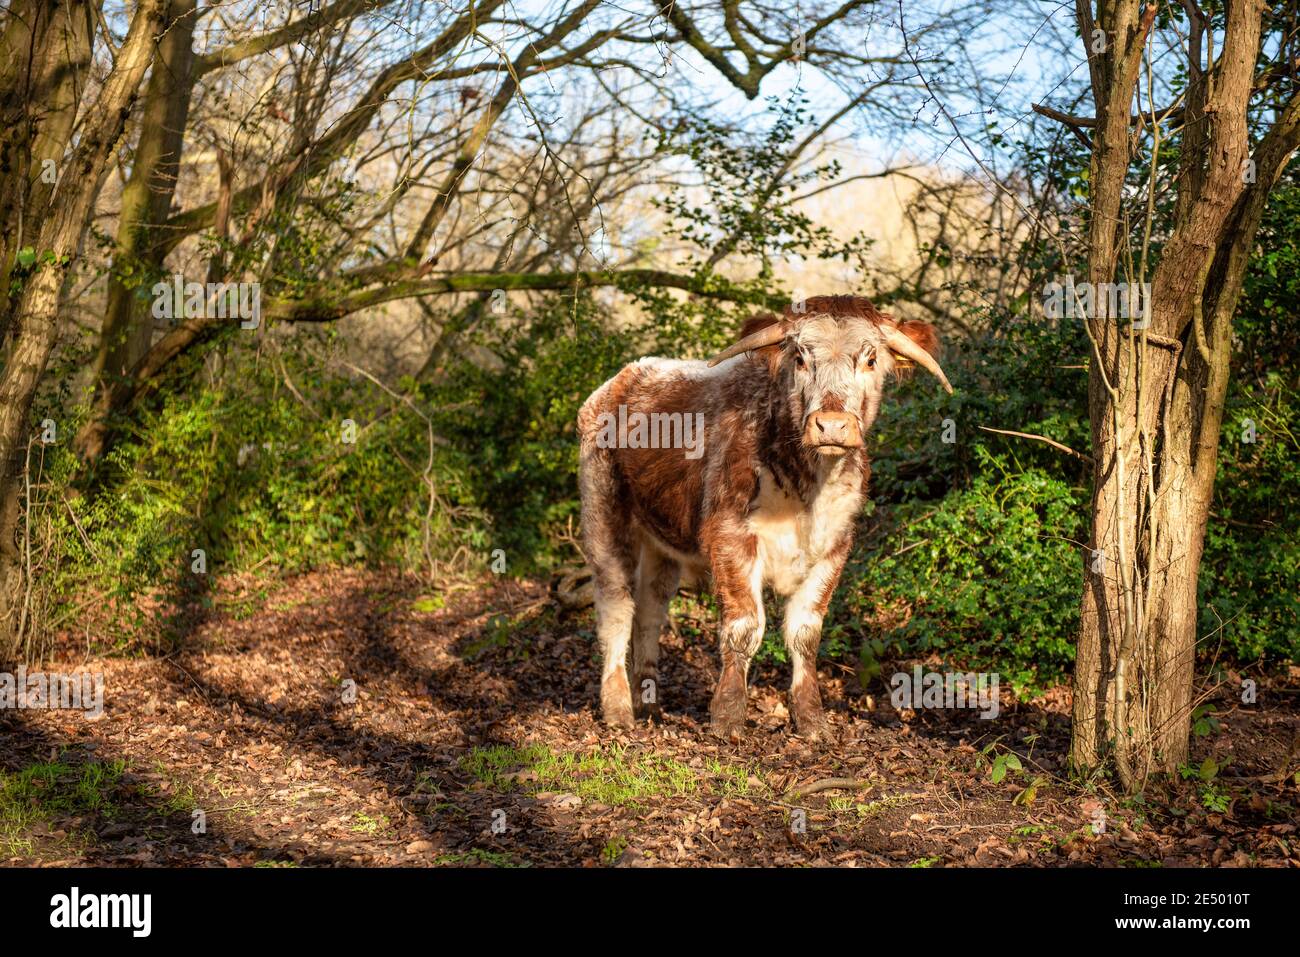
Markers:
<point>738,583</point>
<point>804,612</point>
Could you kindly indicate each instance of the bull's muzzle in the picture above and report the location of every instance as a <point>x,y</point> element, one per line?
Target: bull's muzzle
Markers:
<point>832,433</point>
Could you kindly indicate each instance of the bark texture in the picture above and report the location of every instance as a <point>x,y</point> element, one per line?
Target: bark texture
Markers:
<point>1156,394</point>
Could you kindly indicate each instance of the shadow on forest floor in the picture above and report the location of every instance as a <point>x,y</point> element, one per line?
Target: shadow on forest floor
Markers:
<point>347,718</point>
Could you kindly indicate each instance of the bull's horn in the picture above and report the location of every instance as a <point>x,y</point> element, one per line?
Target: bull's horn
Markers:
<point>900,343</point>
<point>767,336</point>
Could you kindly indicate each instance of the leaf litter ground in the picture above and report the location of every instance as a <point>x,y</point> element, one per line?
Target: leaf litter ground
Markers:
<point>347,718</point>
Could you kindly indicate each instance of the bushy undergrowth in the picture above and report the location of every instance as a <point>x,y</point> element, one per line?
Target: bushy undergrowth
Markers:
<point>284,463</point>
<point>1250,572</point>
<point>511,422</point>
<point>988,576</point>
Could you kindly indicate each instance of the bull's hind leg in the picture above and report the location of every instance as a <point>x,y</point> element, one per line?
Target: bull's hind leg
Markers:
<point>607,541</point>
<point>656,584</point>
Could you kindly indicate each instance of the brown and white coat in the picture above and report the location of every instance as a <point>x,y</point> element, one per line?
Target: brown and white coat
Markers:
<point>770,498</point>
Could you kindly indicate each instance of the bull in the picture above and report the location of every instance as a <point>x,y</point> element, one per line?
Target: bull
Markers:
<point>762,488</point>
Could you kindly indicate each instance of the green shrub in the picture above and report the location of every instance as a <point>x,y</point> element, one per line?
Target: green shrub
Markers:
<point>1250,571</point>
<point>1018,374</point>
<point>511,421</point>
<point>242,468</point>
<point>988,576</point>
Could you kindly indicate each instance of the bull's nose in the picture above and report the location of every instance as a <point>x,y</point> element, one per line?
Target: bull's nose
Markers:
<point>833,428</point>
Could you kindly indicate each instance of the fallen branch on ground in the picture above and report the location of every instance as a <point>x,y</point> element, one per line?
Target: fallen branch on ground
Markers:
<point>825,784</point>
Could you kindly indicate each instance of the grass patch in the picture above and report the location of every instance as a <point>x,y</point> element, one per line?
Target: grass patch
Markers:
<point>730,780</point>
<point>870,810</point>
<point>476,856</point>
<point>365,824</point>
<point>177,797</point>
<point>497,633</point>
<point>44,792</point>
<point>242,609</point>
<point>607,776</point>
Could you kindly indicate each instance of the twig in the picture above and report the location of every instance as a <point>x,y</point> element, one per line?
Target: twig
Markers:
<point>907,548</point>
<point>198,686</point>
<point>1040,438</point>
<point>20,636</point>
<point>73,515</point>
<point>1266,526</point>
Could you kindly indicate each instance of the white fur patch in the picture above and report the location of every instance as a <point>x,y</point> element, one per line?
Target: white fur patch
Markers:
<point>695,369</point>
<point>793,538</point>
<point>614,630</point>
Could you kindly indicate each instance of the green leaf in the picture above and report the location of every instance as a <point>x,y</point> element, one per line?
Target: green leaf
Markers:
<point>999,768</point>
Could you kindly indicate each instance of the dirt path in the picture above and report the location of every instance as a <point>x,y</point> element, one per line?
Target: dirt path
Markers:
<point>473,739</point>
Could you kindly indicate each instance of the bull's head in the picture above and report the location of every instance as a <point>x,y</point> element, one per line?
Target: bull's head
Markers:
<point>830,362</point>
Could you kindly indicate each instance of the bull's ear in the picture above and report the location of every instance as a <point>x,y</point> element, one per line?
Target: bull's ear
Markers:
<point>924,335</point>
<point>771,355</point>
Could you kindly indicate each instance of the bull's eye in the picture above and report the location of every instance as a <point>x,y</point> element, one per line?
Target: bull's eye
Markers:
<point>871,359</point>
<point>799,360</point>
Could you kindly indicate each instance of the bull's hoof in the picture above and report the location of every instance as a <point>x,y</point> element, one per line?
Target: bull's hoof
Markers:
<point>619,716</point>
<point>616,701</point>
<point>814,728</point>
<point>727,710</point>
<point>728,729</point>
<point>806,708</point>
<point>645,696</point>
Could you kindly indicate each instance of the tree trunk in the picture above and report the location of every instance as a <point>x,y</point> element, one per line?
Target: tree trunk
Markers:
<point>128,326</point>
<point>45,56</point>
<point>36,314</point>
<point>1156,403</point>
